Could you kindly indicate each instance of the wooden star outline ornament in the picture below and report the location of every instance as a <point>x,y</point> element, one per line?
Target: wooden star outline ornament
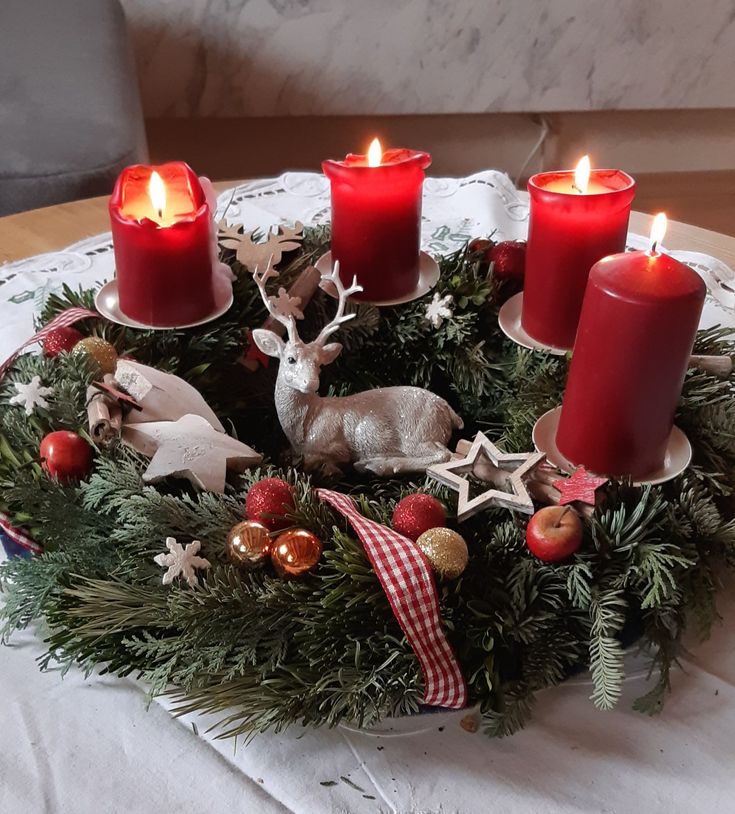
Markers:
<point>189,448</point>
<point>581,487</point>
<point>514,466</point>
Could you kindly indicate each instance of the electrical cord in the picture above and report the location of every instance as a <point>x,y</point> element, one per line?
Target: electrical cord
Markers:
<point>545,130</point>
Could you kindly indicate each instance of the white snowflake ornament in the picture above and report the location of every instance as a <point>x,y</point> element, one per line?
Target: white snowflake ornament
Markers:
<point>181,562</point>
<point>439,309</point>
<point>287,306</point>
<point>32,395</point>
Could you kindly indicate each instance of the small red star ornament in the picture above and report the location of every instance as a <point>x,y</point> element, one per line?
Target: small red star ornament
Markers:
<point>580,487</point>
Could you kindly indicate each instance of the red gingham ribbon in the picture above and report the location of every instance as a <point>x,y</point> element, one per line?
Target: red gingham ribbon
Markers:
<point>19,537</point>
<point>62,320</point>
<point>407,580</point>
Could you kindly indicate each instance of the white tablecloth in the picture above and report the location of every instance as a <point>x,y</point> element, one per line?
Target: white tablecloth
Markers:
<point>88,745</point>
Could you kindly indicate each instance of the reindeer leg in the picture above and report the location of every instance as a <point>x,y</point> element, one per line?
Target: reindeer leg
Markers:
<point>400,464</point>
<point>317,463</point>
<point>378,466</point>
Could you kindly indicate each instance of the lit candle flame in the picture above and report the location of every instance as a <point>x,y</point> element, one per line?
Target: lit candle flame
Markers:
<point>582,174</point>
<point>375,153</point>
<point>658,230</point>
<point>157,193</point>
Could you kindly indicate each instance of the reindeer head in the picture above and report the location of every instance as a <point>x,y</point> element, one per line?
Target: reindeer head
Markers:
<point>301,361</point>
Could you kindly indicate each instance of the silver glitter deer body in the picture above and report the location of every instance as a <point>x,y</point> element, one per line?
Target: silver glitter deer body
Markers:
<point>386,431</point>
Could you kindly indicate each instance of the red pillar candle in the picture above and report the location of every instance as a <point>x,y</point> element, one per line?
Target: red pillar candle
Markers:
<point>161,230</point>
<point>376,219</point>
<point>638,324</point>
<point>573,224</point>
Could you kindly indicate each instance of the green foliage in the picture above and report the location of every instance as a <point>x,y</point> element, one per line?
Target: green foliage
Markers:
<point>263,653</point>
<point>607,614</point>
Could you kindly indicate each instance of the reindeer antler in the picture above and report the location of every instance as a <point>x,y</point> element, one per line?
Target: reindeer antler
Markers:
<point>287,320</point>
<point>343,295</point>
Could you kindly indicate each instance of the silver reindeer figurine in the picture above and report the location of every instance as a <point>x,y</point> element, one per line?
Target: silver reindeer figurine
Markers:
<point>386,431</point>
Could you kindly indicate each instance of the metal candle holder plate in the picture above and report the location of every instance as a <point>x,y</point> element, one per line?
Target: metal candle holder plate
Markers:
<point>107,302</point>
<point>429,273</point>
<point>509,319</point>
<point>678,451</point>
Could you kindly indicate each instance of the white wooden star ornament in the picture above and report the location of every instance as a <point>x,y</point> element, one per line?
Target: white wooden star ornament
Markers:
<point>31,395</point>
<point>189,448</point>
<point>181,562</point>
<point>507,488</point>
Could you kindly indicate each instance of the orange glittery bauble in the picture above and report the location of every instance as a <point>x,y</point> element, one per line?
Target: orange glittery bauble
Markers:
<point>295,552</point>
<point>248,544</point>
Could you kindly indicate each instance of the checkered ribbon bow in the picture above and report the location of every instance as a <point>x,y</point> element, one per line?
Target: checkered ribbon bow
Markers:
<point>407,580</point>
<point>62,320</point>
<point>18,538</point>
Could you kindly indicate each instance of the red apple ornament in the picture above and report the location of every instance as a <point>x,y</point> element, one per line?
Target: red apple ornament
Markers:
<point>415,514</point>
<point>554,533</point>
<point>66,455</point>
<point>508,259</point>
<point>268,501</point>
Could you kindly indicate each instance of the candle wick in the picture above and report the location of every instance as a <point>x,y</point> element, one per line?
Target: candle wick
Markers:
<point>574,186</point>
<point>160,214</point>
<point>654,246</point>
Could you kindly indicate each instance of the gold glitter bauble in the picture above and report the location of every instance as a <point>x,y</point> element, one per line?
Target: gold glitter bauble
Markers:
<point>445,550</point>
<point>248,544</point>
<point>103,353</point>
<point>295,552</point>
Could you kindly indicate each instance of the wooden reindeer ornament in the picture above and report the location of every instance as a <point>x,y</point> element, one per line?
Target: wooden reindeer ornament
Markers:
<point>387,431</point>
<point>271,250</point>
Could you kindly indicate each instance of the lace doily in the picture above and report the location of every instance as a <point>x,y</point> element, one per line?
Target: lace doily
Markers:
<point>454,210</point>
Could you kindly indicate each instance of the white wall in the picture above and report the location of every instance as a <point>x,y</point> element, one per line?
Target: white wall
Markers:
<point>361,57</point>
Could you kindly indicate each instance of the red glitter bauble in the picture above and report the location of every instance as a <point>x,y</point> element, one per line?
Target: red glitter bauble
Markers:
<point>508,259</point>
<point>267,501</point>
<point>415,514</point>
<point>479,244</point>
<point>61,339</point>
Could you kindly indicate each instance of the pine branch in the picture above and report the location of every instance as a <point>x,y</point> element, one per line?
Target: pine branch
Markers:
<point>607,615</point>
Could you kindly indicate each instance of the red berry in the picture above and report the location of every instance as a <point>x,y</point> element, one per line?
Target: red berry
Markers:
<point>268,501</point>
<point>66,455</point>
<point>415,514</point>
<point>508,259</point>
<point>554,533</point>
